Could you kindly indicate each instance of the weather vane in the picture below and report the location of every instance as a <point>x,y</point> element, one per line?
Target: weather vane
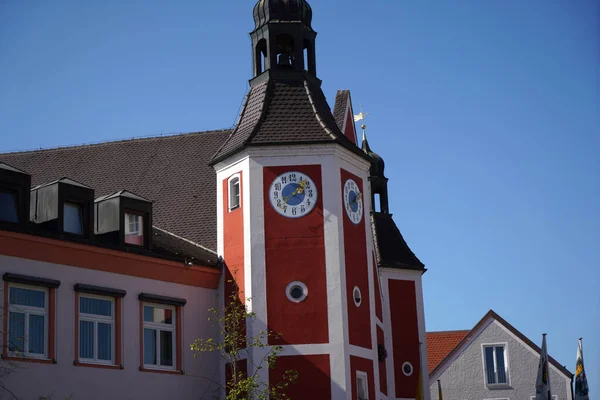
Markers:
<point>361,117</point>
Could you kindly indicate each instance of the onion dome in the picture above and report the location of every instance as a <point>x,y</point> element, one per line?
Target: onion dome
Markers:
<point>266,11</point>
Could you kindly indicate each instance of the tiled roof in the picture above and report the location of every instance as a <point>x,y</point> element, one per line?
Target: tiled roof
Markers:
<point>440,344</point>
<point>391,249</point>
<point>342,98</point>
<point>171,171</point>
<point>285,112</point>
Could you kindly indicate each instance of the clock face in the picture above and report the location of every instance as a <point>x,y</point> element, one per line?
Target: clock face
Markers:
<point>353,201</point>
<point>293,194</point>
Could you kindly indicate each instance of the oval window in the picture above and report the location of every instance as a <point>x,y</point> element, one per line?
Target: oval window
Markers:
<point>296,291</point>
<point>407,369</point>
<point>356,295</point>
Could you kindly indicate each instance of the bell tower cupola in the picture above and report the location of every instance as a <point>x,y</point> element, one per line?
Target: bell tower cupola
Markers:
<point>283,39</point>
<point>377,178</point>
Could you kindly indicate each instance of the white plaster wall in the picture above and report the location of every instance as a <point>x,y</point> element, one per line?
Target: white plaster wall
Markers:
<point>31,380</point>
<point>464,378</point>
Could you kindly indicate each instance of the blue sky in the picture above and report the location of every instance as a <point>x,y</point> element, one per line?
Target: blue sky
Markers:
<point>486,112</point>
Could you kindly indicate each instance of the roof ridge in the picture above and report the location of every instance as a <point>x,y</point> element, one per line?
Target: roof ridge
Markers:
<point>491,316</point>
<point>316,113</point>
<point>106,142</point>
<point>450,331</point>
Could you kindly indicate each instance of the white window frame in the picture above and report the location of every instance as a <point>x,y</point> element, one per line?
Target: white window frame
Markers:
<point>157,326</point>
<point>506,364</point>
<point>231,182</point>
<point>362,376</point>
<point>95,318</point>
<point>128,231</point>
<point>29,310</point>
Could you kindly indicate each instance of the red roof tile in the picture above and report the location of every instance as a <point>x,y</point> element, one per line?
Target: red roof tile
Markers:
<point>440,344</point>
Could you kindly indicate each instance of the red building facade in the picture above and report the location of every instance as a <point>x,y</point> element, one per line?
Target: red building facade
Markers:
<point>301,221</point>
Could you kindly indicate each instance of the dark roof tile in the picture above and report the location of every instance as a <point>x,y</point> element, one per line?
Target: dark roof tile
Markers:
<point>342,98</point>
<point>171,171</point>
<point>391,249</point>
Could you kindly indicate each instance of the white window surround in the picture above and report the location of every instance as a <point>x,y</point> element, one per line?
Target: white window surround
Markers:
<point>495,367</point>
<point>291,290</point>
<point>158,327</point>
<point>234,191</point>
<point>95,318</point>
<point>362,385</point>
<point>29,311</point>
<point>357,296</point>
<point>409,365</point>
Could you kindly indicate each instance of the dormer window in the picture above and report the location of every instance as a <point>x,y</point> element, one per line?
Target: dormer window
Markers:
<point>134,229</point>
<point>8,206</point>
<point>14,195</point>
<point>63,206</point>
<point>73,218</point>
<point>234,192</point>
<point>125,219</point>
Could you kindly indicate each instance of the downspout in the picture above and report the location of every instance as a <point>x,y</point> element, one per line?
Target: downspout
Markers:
<point>572,393</point>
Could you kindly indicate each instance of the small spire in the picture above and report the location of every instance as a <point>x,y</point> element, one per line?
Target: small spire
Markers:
<point>365,144</point>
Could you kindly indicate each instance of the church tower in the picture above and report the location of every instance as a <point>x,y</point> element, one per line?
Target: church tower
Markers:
<point>295,227</point>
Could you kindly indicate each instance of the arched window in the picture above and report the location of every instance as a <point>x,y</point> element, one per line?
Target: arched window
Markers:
<point>234,192</point>
<point>261,56</point>
<point>285,48</point>
<point>377,203</point>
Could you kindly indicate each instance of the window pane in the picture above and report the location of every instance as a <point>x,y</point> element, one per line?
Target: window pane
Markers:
<point>150,346</point>
<point>36,334</point>
<point>362,390</point>
<point>104,341</point>
<point>16,329</point>
<point>489,364</point>
<point>234,193</point>
<point>500,364</point>
<point>27,297</point>
<point>158,315</point>
<point>73,219</point>
<point>89,305</point>
<point>166,348</point>
<point>8,207</point>
<point>86,339</point>
<point>134,229</point>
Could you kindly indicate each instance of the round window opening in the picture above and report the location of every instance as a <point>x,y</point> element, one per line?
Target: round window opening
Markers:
<point>407,369</point>
<point>296,292</point>
<point>357,296</point>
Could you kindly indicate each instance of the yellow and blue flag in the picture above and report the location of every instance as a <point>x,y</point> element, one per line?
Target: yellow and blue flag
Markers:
<point>581,385</point>
<point>542,384</point>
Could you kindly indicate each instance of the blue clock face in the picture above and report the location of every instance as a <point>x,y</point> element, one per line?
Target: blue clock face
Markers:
<point>293,194</point>
<point>353,201</point>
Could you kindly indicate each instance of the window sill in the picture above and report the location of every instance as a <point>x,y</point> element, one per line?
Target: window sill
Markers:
<point>92,365</point>
<point>31,359</point>
<point>234,208</point>
<point>162,371</point>
<point>498,386</point>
